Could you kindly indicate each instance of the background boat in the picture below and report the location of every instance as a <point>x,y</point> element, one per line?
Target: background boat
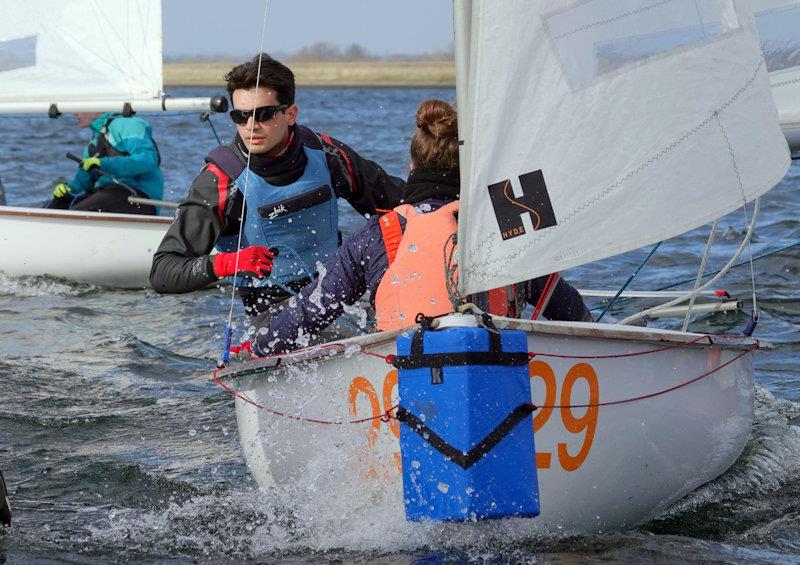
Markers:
<point>114,250</point>
<point>75,56</point>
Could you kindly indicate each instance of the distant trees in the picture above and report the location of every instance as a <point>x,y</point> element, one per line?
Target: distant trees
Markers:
<point>326,51</point>
<point>321,51</point>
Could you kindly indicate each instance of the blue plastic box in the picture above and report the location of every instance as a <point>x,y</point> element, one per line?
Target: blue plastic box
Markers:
<point>449,413</point>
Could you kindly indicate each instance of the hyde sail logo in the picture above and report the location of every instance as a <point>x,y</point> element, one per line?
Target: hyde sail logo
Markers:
<point>509,209</point>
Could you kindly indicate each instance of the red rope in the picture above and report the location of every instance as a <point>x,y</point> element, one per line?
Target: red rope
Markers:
<point>652,394</point>
<point>388,414</point>
<point>384,417</point>
<point>619,355</point>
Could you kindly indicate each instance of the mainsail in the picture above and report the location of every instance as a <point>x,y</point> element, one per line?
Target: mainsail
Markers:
<point>596,127</point>
<point>778,23</point>
<point>83,55</point>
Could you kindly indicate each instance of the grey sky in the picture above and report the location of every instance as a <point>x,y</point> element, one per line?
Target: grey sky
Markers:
<point>233,27</point>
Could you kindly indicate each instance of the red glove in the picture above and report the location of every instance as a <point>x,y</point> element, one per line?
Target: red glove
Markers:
<point>254,261</point>
<point>242,352</point>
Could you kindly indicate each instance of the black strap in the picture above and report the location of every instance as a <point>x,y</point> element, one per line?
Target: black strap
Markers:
<point>226,159</point>
<point>465,459</point>
<point>457,359</point>
<point>308,137</point>
<point>417,358</point>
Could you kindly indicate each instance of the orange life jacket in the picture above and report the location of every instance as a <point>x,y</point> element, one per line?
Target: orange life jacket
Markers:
<point>415,281</point>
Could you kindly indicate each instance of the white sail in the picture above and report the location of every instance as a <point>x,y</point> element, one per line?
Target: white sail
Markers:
<point>596,127</point>
<point>82,55</point>
<point>778,23</point>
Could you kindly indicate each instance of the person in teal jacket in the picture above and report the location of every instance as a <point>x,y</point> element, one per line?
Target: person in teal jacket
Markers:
<point>122,147</point>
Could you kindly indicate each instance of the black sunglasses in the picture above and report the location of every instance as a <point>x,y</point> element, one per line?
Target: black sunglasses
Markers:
<point>262,113</point>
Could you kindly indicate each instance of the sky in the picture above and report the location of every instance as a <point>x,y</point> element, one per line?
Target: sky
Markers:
<point>233,27</point>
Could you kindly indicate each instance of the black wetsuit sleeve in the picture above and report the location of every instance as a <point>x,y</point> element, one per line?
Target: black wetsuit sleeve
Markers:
<point>565,304</point>
<point>182,262</point>
<point>363,183</point>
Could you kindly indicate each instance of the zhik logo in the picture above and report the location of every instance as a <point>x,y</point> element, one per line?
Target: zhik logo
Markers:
<point>277,211</point>
<point>509,209</point>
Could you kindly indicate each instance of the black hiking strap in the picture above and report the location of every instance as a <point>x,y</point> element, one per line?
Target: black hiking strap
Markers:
<point>465,459</point>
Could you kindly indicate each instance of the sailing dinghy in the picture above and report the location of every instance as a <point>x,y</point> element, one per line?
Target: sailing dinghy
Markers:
<point>589,129</point>
<point>60,56</point>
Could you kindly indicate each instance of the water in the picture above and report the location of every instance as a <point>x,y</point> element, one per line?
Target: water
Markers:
<point>117,446</point>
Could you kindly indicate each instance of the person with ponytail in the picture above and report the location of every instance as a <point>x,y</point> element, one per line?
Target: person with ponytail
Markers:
<point>399,258</point>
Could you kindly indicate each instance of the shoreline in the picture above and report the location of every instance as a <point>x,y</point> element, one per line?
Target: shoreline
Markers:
<point>363,74</point>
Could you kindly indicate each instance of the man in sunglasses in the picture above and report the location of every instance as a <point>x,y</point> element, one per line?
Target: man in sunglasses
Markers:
<point>283,180</point>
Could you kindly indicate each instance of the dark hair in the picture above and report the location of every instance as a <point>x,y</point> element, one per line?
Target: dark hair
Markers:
<point>274,75</point>
<point>435,141</point>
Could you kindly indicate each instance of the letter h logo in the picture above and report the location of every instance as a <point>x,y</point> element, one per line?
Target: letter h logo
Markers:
<point>535,201</point>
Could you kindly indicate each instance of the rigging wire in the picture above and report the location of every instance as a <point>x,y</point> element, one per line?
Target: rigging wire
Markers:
<point>710,274</point>
<point>229,325</point>
<point>206,117</point>
<point>629,281</point>
<point>700,271</point>
<point>720,274</point>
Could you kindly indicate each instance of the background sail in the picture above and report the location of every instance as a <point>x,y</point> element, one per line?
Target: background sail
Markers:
<point>778,23</point>
<point>85,56</point>
<point>592,128</point>
<point>54,50</point>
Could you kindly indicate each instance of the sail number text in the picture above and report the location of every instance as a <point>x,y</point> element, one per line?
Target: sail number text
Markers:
<point>584,423</point>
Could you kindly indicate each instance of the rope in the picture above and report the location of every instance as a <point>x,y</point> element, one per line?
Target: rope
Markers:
<point>712,273</point>
<point>451,271</point>
<point>711,237</point>
<point>384,416</point>
<point>206,117</point>
<point>722,272</point>
<point>629,281</point>
<point>229,325</point>
<point>620,355</point>
<point>389,413</point>
<point>652,394</point>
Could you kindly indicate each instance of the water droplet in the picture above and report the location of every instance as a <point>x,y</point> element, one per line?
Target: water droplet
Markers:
<point>192,432</point>
<point>415,464</point>
<point>443,487</point>
<point>412,248</point>
<point>433,301</point>
<point>394,280</point>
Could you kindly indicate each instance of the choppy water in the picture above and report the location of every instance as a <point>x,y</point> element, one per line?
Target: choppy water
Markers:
<point>117,446</point>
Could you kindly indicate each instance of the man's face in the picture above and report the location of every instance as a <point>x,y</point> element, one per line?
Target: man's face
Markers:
<point>271,136</point>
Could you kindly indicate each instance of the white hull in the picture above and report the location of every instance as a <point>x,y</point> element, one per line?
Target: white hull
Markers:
<point>114,250</point>
<point>617,470</point>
